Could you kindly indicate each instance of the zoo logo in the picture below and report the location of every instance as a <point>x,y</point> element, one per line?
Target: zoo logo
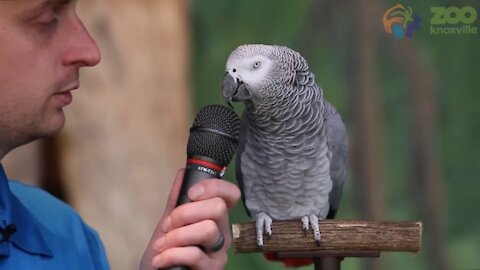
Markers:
<point>400,21</point>
<point>446,20</point>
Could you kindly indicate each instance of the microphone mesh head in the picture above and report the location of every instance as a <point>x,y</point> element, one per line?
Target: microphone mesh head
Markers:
<point>214,134</point>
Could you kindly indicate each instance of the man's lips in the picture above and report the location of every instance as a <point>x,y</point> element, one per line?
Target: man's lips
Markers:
<point>65,96</point>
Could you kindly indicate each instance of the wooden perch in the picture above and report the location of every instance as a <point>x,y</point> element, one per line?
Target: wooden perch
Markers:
<point>345,238</point>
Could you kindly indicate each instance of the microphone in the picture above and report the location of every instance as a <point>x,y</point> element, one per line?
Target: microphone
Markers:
<point>7,232</point>
<point>211,145</point>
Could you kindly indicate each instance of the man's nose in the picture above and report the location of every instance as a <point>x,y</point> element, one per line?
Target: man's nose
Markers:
<point>83,50</point>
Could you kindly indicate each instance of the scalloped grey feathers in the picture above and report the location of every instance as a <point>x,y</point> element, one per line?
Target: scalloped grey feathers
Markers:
<point>292,155</point>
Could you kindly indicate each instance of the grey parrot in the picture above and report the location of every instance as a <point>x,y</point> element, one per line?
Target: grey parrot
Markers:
<point>292,155</point>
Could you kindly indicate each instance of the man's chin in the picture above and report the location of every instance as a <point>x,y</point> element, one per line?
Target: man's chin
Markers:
<point>33,136</point>
<point>50,127</point>
<point>30,132</point>
<point>55,125</point>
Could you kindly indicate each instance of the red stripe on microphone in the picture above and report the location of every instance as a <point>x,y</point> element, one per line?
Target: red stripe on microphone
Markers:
<point>205,163</point>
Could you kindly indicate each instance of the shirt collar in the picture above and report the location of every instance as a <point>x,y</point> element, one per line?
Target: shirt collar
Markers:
<point>30,234</point>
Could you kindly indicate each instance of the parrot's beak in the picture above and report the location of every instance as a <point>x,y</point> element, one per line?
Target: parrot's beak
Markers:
<point>234,90</point>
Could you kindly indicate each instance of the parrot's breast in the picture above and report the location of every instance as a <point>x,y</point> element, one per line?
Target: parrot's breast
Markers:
<point>287,175</point>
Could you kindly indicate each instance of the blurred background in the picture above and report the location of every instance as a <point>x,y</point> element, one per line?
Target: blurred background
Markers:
<point>410,106</point>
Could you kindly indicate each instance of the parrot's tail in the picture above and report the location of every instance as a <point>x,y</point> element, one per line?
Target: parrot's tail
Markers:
<point>294,262</point>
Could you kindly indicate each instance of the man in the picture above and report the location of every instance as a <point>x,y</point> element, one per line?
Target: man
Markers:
<point>43,44</point>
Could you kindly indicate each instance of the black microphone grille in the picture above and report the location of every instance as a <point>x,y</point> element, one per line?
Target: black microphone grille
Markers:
<point>214,134</point>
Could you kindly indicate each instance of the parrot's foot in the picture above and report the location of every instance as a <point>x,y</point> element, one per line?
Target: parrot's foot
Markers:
<point>263,226</point>
<point>312,220</point>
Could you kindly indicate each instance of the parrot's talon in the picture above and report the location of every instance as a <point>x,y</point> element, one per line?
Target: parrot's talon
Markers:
<point>305,223</point>
<point>260,243</point>
<point>316,228</point>
<point>263,226</point>
<point>268,226</point>
<point>312,222</point>
<point>269,233</point>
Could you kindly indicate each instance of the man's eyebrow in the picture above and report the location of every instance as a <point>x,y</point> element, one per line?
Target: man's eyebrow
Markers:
<point>50,3</point>
<point>42,6</point>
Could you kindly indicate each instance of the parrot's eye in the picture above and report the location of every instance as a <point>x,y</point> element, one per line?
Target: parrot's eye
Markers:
<point>256,64</point>
<point>234,70</point>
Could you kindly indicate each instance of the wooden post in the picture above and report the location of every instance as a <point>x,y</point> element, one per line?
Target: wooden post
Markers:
<point>126,131</point>
<point>340,239</point>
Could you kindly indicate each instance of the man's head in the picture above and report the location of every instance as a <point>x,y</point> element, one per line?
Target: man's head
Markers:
<point>43,45</point>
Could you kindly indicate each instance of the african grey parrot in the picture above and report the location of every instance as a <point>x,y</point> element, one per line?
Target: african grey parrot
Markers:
<point>292,155</point>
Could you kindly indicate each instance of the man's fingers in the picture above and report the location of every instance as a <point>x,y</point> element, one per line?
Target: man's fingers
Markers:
<point>211,188</point>
<point>207,214</point>
<point>195,212</point>
<point>187,256</point>
<point>190,256</point>
<point>189,236</point>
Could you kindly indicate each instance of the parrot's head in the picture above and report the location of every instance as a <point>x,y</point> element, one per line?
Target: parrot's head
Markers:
<point>256,72</point>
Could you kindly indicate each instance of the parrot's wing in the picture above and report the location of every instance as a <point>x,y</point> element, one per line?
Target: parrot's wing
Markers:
<point>337,143</point>
<point>238,156</point>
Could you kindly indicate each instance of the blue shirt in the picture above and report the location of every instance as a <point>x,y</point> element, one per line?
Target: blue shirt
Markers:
<point>49,234</point>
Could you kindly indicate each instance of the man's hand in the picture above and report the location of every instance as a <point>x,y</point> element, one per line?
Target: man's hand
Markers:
<point>182,230</point>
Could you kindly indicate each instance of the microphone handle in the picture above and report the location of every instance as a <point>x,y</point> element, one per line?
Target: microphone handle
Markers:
<point>193,175</point>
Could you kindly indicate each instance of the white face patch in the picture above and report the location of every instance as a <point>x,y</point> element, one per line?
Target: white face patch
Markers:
<point>252,71</point>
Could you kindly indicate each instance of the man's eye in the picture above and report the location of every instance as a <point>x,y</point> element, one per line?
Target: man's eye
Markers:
<point>48,20</point>
<point>50,23</point>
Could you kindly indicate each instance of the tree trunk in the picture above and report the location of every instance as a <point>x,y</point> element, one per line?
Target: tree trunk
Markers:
<point>126,131</point>
<point>368,160</point>
<point>426,184</point>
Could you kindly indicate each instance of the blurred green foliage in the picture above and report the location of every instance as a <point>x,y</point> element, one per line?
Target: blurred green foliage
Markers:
<point>219,26</point>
